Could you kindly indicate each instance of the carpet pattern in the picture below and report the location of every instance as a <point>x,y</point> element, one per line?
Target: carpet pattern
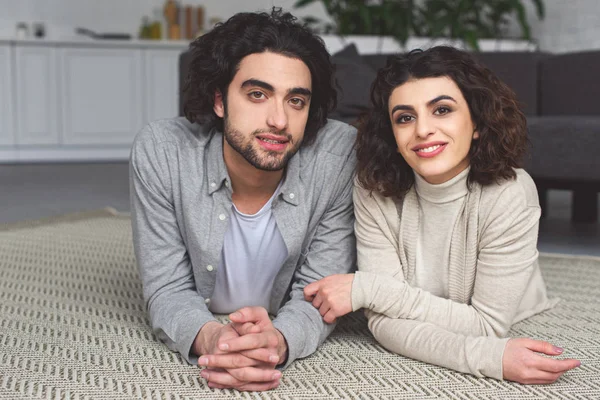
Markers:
<point>73,326</point>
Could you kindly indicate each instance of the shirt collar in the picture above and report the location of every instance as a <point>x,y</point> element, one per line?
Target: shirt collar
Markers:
<point>215,163</point>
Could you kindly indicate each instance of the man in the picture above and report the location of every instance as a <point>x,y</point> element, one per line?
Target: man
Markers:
<point>240,205</point>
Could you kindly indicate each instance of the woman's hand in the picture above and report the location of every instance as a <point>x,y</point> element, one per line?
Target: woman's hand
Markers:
<point>522,364</point>
<point>332,295</point>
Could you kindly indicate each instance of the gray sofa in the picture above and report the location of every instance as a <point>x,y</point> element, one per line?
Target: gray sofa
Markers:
<point>557,93</point>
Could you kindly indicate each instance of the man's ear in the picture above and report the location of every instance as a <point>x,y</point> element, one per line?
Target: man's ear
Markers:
<point>219,107</point>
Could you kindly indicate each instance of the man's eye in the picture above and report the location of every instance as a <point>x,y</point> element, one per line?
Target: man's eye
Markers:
<point>297,102</point>
<point>257,95</point>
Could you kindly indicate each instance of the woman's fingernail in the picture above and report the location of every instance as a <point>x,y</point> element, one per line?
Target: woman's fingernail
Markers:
<point>558,349</point>
<point>203,361</point>
<point>235,315</point>
<point>224,346</point>
<point>273,358</point>
<point>204,374</point>
<point>276,375</point>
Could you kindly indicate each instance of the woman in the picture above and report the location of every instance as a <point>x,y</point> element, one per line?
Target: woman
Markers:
<point>446,222</point>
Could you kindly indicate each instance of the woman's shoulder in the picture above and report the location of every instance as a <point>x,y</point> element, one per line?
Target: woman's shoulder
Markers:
<point>373,198</point>
<point>519,190</point>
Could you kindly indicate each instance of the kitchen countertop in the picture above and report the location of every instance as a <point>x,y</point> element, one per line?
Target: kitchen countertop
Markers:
<point>89,42</point>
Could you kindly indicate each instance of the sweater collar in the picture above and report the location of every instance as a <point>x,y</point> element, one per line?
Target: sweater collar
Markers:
<point>445,192</point>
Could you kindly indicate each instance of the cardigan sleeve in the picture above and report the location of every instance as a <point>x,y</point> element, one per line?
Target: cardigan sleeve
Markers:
<point>506,261</point>
<point>424,341</point>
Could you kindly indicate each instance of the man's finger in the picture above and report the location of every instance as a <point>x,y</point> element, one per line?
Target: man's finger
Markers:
<point>250,314</point>
<point>310,290</point>
<point>246,358</point>
<point>252,374</point>
<point>250,342</point>
<point>249,387</point>
<point>267,356</point>
<point>260,387</point>
<point>238,377</point>
<point>226,361</point>
<point>245,328</point>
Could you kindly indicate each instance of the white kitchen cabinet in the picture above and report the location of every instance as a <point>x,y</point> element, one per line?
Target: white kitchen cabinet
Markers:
<point>82,100</point>
<point>7,134</point>
<point>101,94</point>
<point>161,67</point>
<point>36,94</point>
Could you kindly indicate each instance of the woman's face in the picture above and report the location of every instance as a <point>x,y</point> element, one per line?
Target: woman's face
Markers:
<point>433,128</point>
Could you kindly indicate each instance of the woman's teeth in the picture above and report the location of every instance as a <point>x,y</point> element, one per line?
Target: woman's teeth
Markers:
<point>430,148</point>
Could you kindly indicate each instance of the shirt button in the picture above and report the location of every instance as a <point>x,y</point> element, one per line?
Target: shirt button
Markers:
<point>292,195</point>
<point>226,183</point>
<point>222,217</point>
<point>213,184</point>
<point>206,301</point>
<point>209,268</point>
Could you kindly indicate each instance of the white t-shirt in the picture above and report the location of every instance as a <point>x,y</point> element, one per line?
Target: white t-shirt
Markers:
<point>253,253</point>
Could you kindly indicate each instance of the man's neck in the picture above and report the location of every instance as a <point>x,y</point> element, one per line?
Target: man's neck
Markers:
<point>252,187</point>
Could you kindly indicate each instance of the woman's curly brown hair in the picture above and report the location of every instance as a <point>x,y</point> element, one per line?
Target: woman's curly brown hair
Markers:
<point>495,111</point>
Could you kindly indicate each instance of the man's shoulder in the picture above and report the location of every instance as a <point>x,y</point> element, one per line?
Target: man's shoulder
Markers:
<point>335,137</point>
<point>176,130</point>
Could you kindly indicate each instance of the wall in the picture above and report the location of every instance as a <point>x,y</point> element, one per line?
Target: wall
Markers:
<point>569,25</point>
<point>124,16</point>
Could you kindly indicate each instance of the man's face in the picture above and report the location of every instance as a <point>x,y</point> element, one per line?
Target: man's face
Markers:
<point>266,109</point>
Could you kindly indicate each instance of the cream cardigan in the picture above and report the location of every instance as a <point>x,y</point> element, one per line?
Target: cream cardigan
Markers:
<point>494,279</point>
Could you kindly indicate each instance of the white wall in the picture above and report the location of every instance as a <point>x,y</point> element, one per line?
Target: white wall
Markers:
<point>569,25</point>
<point>125,16</point>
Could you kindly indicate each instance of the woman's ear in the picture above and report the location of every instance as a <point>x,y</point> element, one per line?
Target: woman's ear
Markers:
<point>218,107</point>
<point>476,134</point>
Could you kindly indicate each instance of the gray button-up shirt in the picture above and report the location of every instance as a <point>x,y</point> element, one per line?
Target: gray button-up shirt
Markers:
<point>181,203</point>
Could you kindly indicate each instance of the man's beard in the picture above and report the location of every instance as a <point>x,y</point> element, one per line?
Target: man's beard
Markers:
<point>259,158</point>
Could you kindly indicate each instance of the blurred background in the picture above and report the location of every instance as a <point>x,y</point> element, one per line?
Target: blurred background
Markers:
<point>79,78</point>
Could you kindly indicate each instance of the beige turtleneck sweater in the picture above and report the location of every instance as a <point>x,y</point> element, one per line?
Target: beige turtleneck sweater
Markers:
<point>445,273</point>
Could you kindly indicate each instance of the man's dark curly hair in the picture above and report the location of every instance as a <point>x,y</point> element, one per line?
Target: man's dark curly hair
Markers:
<point>494,109</point>
<point>216,57</point>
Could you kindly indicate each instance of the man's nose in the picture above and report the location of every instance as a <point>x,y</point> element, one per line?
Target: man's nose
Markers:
<point>277,117</point>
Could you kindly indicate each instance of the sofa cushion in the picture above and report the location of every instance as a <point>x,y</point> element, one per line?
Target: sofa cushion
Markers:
<point>564,147</point>
<point>519,70</point>
<point>354,78</point>
<point>569,84</point>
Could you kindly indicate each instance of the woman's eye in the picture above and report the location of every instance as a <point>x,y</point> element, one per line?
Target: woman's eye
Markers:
<point>403,119</point>
<point>442,110</point>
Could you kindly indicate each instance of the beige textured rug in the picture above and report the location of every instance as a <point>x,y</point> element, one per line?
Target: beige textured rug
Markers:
<point>73,326</point>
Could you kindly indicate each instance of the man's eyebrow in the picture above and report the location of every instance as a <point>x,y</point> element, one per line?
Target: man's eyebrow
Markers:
<point>267,86</point>
<point>429,103</point>
<point>300,90</point>
<point>259,83</point>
